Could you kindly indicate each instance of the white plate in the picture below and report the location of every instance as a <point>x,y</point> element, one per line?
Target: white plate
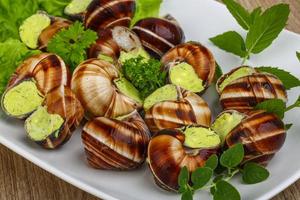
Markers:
<point>200,20</point>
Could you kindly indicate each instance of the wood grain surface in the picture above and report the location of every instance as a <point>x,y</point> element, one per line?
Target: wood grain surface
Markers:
<point>21,180</point>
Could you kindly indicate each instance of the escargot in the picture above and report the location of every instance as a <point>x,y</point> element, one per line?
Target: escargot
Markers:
<point>103,14</point>
<point>244,87</point>
<point>52,124</point>
<point>261,133</point>
<point>31,81</point>
<point>173,107</point>
<point>158,35</point>
<point>190,66</point>
<point>102,91</point>
<point>172,149</point>
<point>119,144</point>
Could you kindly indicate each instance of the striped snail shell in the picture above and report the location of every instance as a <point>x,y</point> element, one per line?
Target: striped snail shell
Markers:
<point>63,102</point>
<point>188,109</point>
<point>119,144</point>
<point>41,73</point>
<point>261,133</point>
<point>246,92</point>
<point>158,35</point>
<point>48,33</point>
<point>167,154</point>
<point>94,83</point>
<point>103,14</point>
<point>194,54</point>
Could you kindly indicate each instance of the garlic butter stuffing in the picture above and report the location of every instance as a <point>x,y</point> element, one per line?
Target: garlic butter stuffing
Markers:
<point>138,83</point>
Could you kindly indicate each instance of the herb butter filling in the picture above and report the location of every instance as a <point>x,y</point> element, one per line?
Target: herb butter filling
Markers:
<point>200,137</point>
<point>40,124</point>
<point>185,76</point>
<point>225,123</point>
<point>22,99</point>
<point>128,89</point>
<point>133,54</point>
<point>165,93</point>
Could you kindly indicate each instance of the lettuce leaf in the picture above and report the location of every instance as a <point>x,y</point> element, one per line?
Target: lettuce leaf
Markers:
<point>54,7</point>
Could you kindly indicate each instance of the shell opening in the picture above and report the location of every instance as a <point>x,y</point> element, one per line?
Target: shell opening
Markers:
<point>32,27</point>
<point>241,72</point>
<point>128,89</point>
<point>126,39</point>
<point>184,75</point>
<point>165,93</point>
<point>22,99</point>
<point>201,137</point>
<point>77,7</point>
<point>226,122</point>
<point>41,124</point>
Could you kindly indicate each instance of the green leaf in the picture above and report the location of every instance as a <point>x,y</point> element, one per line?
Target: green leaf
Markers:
<point>266,28</point>
<point>276,106</point>
<point>201,177</point>
<point>212,162</point>
<point>146,8</point>
<point>289,81</point>
<point>254,173</point>
<point>188,195</point>
<point>288,126</point>
<point>225,190</point>
<point>218,72</point>
<point>183,177</point>
<point>218,178</point>
<point>255,14</point>
<point>294,105</point>
<point>241,15</point>
<point>298,55</point>
<point>233,156</point>
<point>231,42</point>
<point>54,7</point>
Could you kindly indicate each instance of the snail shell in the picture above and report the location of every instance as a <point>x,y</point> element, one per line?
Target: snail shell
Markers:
<point>246,92</point>
<point>193,53</point>
<point>62,101</point>
<point>57,24</point>
<point>261,133</point>
<point>188,109</point>
<point>167,155</point>
<point>93,83</point>
<point>103,14</point>
<point>158,35</point>
<point>119,144</point>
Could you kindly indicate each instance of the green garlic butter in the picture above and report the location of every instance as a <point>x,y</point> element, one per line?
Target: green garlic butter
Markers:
<point>128,89</point>
<point>200,137</point>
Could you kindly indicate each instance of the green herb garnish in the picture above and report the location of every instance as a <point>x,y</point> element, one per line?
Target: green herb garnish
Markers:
<point>71,44</point>
<point>54,7</point>
<point>254,173</point>
<point>298,55</point>
<point>145,74</point>
<point>263,29</point>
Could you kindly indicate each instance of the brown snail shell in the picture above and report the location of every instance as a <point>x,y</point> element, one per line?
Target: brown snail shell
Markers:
<point>62,101</point>
<point>93,83</point>
<point>195,54</point>
<point>261,133</point>
<point>119,144</point>
<point>103,14</point>
<point>167,155</point>
<point>246,92</point>
<point>57,24</point>
<point>158,35</point>
<point>188,109</point>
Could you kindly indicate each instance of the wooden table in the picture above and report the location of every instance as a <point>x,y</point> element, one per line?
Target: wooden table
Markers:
<point>20,179</point>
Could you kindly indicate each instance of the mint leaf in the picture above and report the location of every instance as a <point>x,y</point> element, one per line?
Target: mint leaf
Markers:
<point>289,81</point>
<point>287,126</point>
<point>188,195</point>
<point>200,177</point>
<point>276,106</point>
<point>231,42</point>
<point>212,162</point>
<point>146,8</point>
<point>218,72</point>
<point>255,14</point>
<point>183,178</point>
<point>254,173</point>
<point>266,28</point>
<point>241,15</point>
<point>298,55</point>
<point>294,105</point>
<point>225,190</point>
<point>233,156</point>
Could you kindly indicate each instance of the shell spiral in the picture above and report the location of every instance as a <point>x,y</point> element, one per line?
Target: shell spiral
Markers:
<point>116,144</point>
<point>93,84</point>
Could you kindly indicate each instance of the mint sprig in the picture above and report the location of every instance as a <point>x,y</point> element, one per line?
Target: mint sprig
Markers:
<point>263,28</point>
<point>203,178</point>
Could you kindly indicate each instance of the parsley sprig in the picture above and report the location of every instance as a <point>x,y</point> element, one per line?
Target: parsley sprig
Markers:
<point>145,74</point>
<point>262,29</point>
<point>203,178</point>
<point>71,44</point>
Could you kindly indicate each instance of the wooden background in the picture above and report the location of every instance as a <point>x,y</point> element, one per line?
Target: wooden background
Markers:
<point>20,179</point>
